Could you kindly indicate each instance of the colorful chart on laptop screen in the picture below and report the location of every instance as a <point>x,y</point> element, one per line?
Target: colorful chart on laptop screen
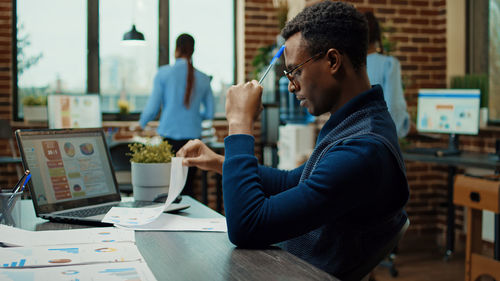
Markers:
<point>69,149</point>
<point>87,149</point>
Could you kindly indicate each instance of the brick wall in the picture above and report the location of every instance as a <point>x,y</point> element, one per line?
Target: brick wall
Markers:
<point>7,172</point>
<point>5,59</point>
<point>261,28</point>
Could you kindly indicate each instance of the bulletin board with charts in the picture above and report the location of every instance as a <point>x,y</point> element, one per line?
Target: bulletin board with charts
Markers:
<point>74,111</point>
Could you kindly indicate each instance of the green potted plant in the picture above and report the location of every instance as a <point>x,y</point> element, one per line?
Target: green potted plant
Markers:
<point>35,108</point>
<point>150,169</point>
<point>475,81</point>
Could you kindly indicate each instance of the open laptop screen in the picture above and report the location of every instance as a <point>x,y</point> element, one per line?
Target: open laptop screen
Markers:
<point>70,168</point>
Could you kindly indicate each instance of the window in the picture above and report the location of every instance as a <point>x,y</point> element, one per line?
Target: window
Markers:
<point>214,40</point>
<point>75,47</point>
<point>127,70</point>
<point>484,49</point>
<point>51,56</point>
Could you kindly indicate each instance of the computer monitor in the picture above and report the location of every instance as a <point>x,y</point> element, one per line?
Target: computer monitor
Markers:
<point>74,111</point>
<point>449,111</point>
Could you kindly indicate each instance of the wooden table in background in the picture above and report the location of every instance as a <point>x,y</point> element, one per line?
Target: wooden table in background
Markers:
<point>465,159</point>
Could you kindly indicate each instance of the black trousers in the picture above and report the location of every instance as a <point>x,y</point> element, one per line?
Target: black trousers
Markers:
<point>188,187</point>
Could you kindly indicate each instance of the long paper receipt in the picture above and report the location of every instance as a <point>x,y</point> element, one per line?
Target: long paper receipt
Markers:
<point>139,216</point>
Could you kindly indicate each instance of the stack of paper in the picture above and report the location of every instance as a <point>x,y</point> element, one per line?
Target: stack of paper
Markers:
<point>12,236</point>
<point>77,254</point>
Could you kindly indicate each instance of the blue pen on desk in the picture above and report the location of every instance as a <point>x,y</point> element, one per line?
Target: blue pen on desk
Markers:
<point>273,61</point>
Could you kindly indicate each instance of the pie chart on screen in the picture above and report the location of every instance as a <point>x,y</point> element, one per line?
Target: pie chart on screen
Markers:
<point>69,149</point>
<point>87,149</point>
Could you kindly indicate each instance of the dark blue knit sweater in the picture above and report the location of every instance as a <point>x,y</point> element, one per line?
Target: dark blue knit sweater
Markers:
<point>333,211</point>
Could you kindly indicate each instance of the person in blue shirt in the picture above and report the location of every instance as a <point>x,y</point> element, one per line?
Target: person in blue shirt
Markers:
<point>184,96</point>
<point>346,202</point>
<point>386,71</point>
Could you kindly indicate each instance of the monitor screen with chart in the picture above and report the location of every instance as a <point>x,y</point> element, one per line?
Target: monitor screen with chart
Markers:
<point>450,111</point>
<point>447,111</point>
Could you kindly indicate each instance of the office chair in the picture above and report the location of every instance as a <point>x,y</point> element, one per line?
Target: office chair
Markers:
<point>121,164</point>
<point>362,272</point>
<point>389,262</point>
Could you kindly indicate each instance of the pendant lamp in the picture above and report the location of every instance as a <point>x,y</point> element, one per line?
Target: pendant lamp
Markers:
<point>133,34</point>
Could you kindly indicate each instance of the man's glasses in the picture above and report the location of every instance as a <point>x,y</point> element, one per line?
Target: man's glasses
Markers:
<point>290,73</point>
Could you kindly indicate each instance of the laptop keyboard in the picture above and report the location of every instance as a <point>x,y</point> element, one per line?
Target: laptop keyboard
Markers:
<point>87,212</point>
<point>104,209</point>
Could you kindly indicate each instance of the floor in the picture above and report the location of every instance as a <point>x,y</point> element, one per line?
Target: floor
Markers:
<point>424,265</point>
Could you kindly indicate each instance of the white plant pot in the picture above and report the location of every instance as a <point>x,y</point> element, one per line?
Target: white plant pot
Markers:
<point>35,113</point>
<point>150,179</point>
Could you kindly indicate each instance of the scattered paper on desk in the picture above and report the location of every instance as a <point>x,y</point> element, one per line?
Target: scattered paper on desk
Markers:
<point>169,222</point>
<point>12,236</point>
<point>57,255</point>
<point>124,271</point>
<point>141,216</point>
<point>132,216</point>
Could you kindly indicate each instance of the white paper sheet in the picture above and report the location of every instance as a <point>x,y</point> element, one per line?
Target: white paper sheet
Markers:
<point>123,271</point>
<point>141,216</point>
<point>12,236</point>
<point>169,222</point>
<point>57,255</point>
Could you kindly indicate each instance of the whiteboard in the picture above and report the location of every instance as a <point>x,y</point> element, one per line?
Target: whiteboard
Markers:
<point>74,111</point>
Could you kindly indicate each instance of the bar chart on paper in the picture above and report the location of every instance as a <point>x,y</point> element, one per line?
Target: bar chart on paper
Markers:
<point>43,256</point>
<point>126,271</point>
<point>67,250</point>
<point>19,263</point>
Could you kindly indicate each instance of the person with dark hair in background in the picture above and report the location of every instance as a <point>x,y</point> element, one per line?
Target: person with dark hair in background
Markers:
<point>386,71</point>
<point>180,91</point>
<point>346,202</point>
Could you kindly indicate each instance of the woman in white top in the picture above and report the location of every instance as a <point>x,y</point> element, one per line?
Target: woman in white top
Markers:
<point>386,71</point>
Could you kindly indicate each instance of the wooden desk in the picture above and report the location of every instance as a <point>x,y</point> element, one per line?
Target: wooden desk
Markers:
<point>202,255</point>
<point>465,159</point>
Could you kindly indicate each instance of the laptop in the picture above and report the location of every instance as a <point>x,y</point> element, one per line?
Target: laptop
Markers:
<point>73,180</point>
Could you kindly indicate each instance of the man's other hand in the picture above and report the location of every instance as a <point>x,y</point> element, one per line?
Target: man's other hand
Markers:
<point>197,154</point>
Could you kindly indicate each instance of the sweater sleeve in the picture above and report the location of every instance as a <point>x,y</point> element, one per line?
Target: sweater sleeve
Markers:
<point>275,181</point>
<point>332,190</point>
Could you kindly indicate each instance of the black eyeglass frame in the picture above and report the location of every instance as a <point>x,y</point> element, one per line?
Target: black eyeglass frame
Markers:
<point>289,73</point>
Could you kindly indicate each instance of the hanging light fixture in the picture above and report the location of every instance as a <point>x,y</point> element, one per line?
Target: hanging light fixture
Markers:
<point>133,34</point>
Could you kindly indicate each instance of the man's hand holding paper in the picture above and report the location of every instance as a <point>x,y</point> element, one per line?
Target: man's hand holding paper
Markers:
<point>140,216</point>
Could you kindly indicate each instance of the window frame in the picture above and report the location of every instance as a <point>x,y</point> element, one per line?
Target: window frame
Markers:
<point>478,42</point>
<point>93,67</point>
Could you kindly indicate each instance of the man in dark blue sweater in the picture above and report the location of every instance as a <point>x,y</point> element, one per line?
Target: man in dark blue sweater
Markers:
<point>347,201</point>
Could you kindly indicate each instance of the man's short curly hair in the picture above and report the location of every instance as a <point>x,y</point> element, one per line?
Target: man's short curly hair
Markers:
<point>331,24</point>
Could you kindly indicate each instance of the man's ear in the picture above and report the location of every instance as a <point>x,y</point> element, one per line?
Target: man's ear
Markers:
<point>335,60</point>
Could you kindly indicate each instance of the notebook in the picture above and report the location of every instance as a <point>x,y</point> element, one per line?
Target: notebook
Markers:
<point>72,176</point>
